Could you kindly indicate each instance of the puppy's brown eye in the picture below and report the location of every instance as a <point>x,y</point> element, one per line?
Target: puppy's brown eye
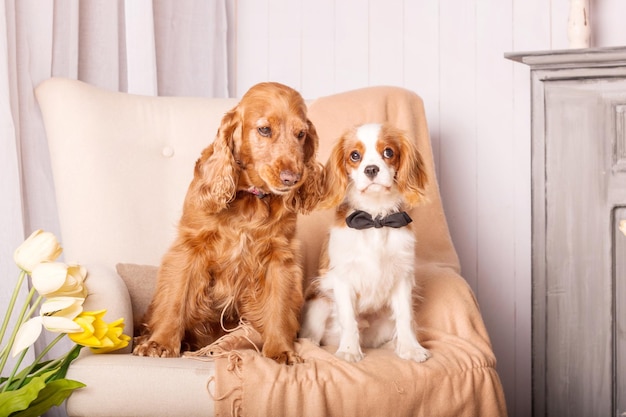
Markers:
<point>265,131</point>
<point>355,156</point>
<point>388,153</point>
<point>301,134</point>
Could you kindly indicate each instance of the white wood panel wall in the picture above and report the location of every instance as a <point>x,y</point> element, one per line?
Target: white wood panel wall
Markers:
<point>478,110</point>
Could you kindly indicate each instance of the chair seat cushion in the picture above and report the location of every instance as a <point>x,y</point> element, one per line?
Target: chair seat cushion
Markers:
<point>127,385</point>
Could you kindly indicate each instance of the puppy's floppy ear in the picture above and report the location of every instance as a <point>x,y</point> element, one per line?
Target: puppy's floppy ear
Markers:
<point>217,173</point>
<point>335,182</point>
<point>411,176</point>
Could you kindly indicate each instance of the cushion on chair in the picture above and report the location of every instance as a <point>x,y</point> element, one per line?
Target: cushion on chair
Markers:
<point>141,282</point>
<point>122,164</point>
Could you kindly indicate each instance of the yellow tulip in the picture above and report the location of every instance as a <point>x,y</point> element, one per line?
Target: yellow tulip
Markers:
<point>116,336</point>
<point>98,335</point>
<point>39,247</point>
<point>56,279</point>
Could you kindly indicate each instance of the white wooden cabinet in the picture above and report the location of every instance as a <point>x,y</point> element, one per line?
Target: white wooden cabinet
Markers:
<point>578,251</point>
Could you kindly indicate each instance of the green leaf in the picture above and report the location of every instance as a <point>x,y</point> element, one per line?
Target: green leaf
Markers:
<point>37,367</point>
<point>20,399</point>
<point>27,379</point>
<point>62,370</point>
<point>54,393</point>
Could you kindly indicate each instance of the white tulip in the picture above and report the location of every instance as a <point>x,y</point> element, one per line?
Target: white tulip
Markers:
<point>39,247</point>
<point>57,315</point>
<point>56,279</point>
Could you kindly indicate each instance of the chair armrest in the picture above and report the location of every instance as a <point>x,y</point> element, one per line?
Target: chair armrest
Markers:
<point>108,291</point>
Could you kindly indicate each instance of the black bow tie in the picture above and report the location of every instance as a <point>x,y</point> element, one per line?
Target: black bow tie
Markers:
<point>363,220</point>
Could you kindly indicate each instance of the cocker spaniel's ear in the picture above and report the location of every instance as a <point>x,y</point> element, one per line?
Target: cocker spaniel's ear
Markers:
<point>411,176</point>
<point>335,181</point>
<point>217,173</point>
<point>308,195</point>
<point>311,142</point>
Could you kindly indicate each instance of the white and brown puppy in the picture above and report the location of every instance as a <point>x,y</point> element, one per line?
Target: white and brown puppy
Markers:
<point>364,294</point>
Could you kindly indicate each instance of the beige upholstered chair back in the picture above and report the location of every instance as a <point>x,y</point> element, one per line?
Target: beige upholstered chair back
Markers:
<point>121,165</point>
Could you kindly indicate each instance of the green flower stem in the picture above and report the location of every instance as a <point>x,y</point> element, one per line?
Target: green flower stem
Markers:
<point>50,365</point>
<point>39,358</point>
<point>15,368</point>
<point>23,316</point>
<point>4,351</point>
<point>19,321</point>
<point>32,309</point>
<point>57,362</point>
<point>16,291</point>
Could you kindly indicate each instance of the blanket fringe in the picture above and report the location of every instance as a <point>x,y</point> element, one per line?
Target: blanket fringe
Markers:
<point>223,348</point>
<point>224,345</point>
<point>235,393</point>
<point>219,348</point>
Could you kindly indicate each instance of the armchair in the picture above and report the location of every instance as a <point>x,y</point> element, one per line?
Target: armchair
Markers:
<point>121,166</point>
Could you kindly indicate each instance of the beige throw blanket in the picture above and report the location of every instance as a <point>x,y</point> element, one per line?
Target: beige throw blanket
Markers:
<point>459,380</point>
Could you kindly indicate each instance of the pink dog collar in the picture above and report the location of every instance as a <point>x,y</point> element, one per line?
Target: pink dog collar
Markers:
<point>257,192</point>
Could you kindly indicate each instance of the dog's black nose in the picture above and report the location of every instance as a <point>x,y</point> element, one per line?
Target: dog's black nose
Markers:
<point>371,171</point>
<point>289,178</point>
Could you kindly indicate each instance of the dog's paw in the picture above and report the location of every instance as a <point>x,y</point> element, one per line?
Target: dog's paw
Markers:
<point>350,356</point>
<point>413,353</point>
<point>155,350</point>
<point>287,358</point>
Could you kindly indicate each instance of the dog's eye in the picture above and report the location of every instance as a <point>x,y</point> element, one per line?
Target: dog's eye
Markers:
<point>265,131</point>
<point>388,153</point>
<point>355,156</point>
<point>301,134</point>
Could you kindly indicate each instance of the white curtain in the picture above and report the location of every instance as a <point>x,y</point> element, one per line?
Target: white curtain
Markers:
<point>150,47</point>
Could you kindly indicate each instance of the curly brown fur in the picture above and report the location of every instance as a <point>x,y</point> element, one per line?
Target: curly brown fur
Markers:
<point>236,256</point>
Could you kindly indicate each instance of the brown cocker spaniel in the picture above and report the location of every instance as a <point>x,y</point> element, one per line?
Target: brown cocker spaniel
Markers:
<point>235,256</point>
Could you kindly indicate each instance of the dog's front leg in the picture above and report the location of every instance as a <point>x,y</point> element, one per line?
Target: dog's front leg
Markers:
<point>315,314</point>
<point>407,346</point>
<point>164,339</point>
<point>349,343</point>
<point>165,318</point>
<point>276,311</point>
